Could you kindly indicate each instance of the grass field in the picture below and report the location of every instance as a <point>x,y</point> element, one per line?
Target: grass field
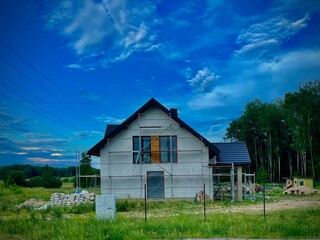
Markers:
<point>166,220</point>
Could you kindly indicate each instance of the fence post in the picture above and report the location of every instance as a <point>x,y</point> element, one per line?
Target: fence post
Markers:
<point>204,202</point>
<point>264,202</point>
<point>145,202</point>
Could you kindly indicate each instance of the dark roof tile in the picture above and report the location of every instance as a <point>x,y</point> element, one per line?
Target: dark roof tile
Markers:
<point>233,152</point>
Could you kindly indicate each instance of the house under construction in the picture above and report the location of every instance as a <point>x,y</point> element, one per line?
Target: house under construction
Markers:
<point>155,147</point>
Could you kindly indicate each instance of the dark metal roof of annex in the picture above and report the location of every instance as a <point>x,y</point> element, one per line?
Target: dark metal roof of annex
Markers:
<point>233,153</point>
<point>116,129</point>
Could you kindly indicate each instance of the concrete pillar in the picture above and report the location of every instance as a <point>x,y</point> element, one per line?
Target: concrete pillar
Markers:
<point>232,182</point>
<point>239,182</point>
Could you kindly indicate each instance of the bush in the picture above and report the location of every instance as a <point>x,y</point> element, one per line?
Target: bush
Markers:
<point>35,182</point>
<point>49,180</point>
<point>53,182</point>
<point>15,177</point>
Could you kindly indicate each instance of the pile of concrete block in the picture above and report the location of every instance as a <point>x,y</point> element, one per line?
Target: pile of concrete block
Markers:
<point>62,199</point>
<point>301,190</point>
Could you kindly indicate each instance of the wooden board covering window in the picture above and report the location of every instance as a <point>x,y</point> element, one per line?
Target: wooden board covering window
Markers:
<point>155,149</point>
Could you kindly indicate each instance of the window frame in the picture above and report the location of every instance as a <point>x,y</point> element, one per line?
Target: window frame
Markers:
<point>303,183</point>
<point>172,154</point>
<point>146,152</point>
<point>138,141</point>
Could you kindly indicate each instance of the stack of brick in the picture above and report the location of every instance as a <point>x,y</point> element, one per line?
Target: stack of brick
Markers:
<point>62,199</point>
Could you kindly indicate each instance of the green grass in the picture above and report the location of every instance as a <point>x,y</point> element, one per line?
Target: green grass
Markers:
<point>281,224</point>
<point>173,219</point>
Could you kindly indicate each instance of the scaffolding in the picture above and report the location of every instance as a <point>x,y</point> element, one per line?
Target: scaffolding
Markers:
<point>91,181</point>
<point>125,168</point>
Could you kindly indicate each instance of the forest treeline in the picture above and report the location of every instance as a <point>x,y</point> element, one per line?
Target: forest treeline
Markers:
<point>30,171</point>
<point>283,137</point>
<point>47,176</point>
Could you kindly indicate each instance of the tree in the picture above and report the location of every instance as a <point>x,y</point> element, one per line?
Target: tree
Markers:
<point>15,177</point>
<point>249,128</point>
<point>303,114</point>
<point>35,182</point>
<point>49,180</point>
<point>282,137</point>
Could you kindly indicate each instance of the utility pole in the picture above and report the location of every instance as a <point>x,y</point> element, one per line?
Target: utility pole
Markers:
<point>77,172</point>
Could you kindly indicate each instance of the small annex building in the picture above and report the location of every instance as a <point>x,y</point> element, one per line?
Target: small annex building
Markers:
<point>299,182</point>
<point>303,182</point>
<point>155,148</point>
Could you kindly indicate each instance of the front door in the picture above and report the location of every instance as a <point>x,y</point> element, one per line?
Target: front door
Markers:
<point>155,184</point>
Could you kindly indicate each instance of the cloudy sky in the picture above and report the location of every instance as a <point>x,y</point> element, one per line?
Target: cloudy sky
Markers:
<point>68,68</point>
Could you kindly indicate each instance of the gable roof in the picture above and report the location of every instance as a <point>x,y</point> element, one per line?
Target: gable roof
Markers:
<point>116,129</point>
<point>110,128</point>
<point>233,152</point>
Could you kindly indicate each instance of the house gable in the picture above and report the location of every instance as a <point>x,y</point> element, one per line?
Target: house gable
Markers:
<point>116,129</point>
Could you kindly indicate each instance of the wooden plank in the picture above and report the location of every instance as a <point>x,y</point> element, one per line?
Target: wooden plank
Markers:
<point>155,149</point>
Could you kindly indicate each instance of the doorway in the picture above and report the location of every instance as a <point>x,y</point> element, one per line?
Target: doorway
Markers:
<point>155,184</point>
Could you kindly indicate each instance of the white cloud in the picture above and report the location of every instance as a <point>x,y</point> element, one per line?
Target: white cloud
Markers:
<point>216,133</point>
<point>113,29</point>
<point>204,80</point>
<point>56,155</point>
<point>295,62</point>
<point>86,24</point>
<point>21,153</point>
<point>221,96</point>
<point>87,134</point>
<point>74,66</point>
<point>30,148</point>
<point>39,160</point>
<point>294,67</point>
<point>265,80</point>
<point>47,141</point>
<point>47,160</point>
<point>107,119</point>
<point>261,41</point>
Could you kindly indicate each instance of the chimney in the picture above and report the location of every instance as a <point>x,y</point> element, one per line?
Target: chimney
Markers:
<point>174,112</point>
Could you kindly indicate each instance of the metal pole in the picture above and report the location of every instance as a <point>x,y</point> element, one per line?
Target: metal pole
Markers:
<point>145,202</point>
<point>264,202</point>
<point>204,201</point>
<point>76,169</point>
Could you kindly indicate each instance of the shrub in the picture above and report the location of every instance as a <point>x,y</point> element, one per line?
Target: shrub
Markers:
<point>35,182</point>
<point>49,180</point>
<point>15,177</point>
<point>53,182</point>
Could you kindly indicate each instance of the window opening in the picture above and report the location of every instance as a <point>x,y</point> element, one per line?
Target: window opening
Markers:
<point>155,149</point>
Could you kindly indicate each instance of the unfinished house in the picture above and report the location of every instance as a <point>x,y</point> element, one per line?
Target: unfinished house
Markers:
<point>156,149</point>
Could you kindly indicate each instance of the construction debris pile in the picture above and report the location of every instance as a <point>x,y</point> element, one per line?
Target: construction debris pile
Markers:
<point>300,190</point>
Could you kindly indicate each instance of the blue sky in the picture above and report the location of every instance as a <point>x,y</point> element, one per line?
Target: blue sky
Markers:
<point>68,68</point>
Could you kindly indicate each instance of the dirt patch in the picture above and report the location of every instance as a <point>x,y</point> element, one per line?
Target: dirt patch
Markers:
<point>280,204</point>
<point>32,203</point>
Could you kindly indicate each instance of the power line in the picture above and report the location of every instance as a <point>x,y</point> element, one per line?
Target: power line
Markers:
<point>43,89</point>
<point>43,109</point>
<point>41,74</point>
<point>17,85</point>
<point>45,128</point>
